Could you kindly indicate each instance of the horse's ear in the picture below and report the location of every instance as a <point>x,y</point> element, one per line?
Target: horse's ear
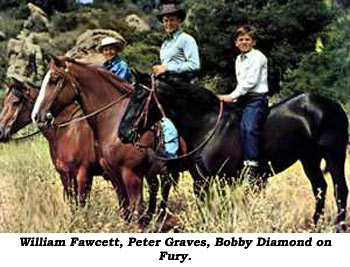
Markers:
<point>57,61</point>
<point>140,76</point>
<point>7,84</point>
<point>17,81</point>
<point>136,74</point>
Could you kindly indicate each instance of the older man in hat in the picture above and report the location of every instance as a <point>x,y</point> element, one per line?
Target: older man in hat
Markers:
<point>110,49</point>
<point>179,52</point>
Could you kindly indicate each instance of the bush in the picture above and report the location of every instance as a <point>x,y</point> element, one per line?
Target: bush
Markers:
<point>3,66</point>
<point>9,26</point>
<point>65,21</point>
<point>326,72</point>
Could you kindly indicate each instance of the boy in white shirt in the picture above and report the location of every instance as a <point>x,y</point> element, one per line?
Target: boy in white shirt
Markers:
<point>252,89</point>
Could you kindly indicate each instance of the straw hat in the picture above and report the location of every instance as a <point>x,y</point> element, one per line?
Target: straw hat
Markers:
<point>171,8</point>
<point>110,41</point>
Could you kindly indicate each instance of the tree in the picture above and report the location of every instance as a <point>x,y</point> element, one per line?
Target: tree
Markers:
<point>328,72</point>
<point>287,30</point>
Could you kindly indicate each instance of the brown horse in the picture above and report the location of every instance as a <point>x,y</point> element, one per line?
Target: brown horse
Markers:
<point>104,96</point>
<point>71,148</point>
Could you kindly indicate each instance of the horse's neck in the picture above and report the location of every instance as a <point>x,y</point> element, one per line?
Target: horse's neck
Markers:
<point>68,113</point>
<point>193,125</point>
<point>95,96</point>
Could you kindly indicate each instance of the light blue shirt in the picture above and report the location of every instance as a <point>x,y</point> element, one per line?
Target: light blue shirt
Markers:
<point>170,134</point>
<point>118,67</point>
<point>179,52</point>
<point>85,2</point>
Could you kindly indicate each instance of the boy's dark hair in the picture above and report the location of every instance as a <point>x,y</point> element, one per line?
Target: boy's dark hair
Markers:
<point>246,29</point>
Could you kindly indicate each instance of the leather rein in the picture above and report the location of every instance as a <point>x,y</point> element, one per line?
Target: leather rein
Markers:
<point>21,95</point>
<point>153,94</point>
<point>75,85</point>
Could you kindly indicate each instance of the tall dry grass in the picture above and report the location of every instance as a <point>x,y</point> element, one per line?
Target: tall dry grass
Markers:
<point>31,200</point>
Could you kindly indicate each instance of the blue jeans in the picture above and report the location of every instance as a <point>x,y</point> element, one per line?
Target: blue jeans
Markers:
<point>253,117</point>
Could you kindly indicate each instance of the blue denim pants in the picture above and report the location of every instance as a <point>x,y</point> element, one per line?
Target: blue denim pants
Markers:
<point>253,117</point>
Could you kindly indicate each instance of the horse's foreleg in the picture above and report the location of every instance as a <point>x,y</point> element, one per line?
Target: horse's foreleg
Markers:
<point>319,186</point>
<point>166,183</point>
<point>153,184</point>
<point>133,186</point>
<point>123,199</point>
<point>84,183</point>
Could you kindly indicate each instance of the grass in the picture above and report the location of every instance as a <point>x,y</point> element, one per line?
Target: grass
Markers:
<point>31,200</point>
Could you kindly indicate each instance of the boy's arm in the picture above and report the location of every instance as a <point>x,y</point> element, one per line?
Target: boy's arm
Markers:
<point>250,80</point>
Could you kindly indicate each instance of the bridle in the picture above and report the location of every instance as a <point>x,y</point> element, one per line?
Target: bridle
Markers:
<point>21,96</point>
<point>66,75</point>
<point>144,115</point>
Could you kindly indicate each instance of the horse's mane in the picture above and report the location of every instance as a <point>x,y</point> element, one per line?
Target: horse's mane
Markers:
<point>285,99</point>
<point>106,75</point>
<point>195,94</point>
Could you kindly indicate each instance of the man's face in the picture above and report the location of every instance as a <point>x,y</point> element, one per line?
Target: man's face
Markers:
<point>109,52</point>
<point>245,43</point>
<point>171,23</point>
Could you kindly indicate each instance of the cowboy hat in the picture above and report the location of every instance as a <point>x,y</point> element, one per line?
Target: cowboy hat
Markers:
<point>168,9</point>
<point>110,41</point>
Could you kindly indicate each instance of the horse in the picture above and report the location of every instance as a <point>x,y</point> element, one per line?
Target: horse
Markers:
<point>305,127</point>
<point>72,148</point>
<point>94,87</point>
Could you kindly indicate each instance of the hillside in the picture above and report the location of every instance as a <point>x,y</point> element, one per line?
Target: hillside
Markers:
<point>289,31</point>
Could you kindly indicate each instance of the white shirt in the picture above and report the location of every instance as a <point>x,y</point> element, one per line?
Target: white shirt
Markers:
<point>251,73</point>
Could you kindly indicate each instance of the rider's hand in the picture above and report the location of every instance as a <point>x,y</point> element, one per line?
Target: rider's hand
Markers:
<point>227,98</point>
<point>159,69</point>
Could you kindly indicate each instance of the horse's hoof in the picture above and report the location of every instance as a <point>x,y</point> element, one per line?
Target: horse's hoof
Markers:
<point>341,227</point>
<point>145,219</point>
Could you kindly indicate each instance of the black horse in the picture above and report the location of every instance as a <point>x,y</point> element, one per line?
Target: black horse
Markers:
<point>306,127</point>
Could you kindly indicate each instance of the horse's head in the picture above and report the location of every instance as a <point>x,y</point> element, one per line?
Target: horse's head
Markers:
<point>141,113</point>
<point>18,105</point>
<point>58,90</point>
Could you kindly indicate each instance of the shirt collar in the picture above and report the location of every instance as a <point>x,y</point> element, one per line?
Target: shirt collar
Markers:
<point>112,61</point>
<point>246,55</point>
<point>174,35</point>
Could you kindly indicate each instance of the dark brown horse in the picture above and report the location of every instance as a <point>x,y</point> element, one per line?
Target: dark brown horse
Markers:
<point>105,96</point>
<point>71,148</point>
<point>306,127</point>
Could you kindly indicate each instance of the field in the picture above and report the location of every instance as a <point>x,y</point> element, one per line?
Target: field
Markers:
<point>31,200</point>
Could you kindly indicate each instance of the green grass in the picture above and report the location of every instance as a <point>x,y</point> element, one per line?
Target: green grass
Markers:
<point>31,200</point>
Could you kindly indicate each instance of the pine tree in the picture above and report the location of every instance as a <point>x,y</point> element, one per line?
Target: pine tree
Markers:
<point>287,30</point>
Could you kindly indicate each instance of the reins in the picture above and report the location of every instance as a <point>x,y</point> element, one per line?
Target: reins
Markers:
<point>20,94</point>
<point>152,92</point>
<point>80,118</point>
<point>21,138</point>
<point>201,145</point>
<point>75,86</point>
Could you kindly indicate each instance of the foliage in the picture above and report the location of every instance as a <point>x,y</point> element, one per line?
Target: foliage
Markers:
<point>287,30</point>
<point>328,72</point>
<point>9,26</point>
<point>31,200</point>
<point>3,61</point>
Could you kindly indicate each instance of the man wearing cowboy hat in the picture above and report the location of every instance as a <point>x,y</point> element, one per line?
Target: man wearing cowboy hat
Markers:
<point>179,62</point>
<point>179,52</point>
<point>110,49</point>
